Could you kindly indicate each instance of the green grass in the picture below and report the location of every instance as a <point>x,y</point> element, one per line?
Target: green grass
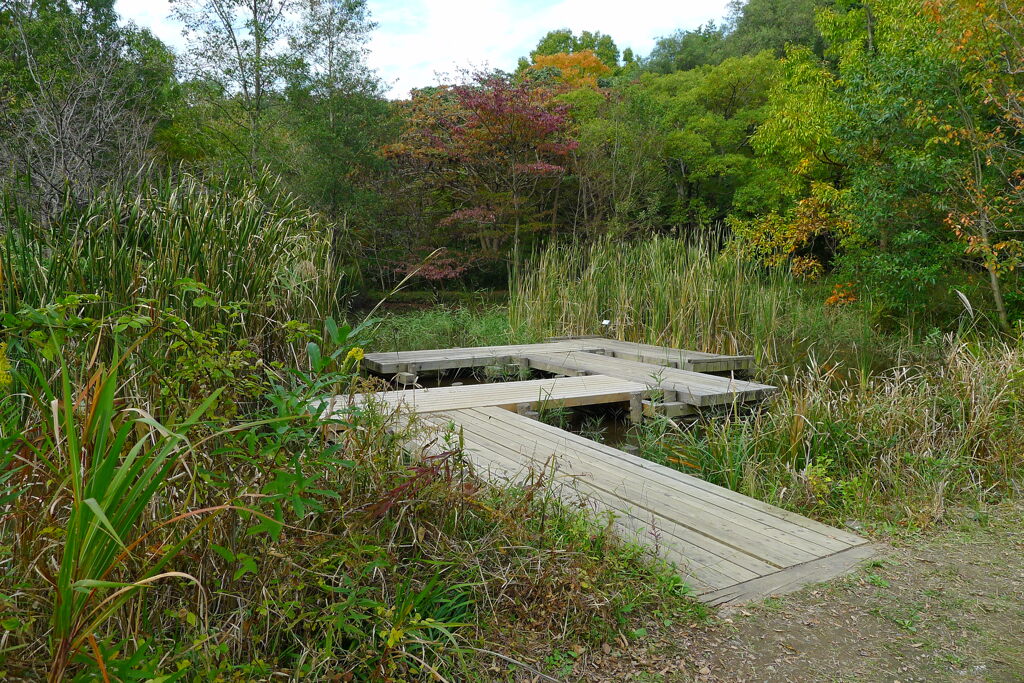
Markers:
<point>448,327</point>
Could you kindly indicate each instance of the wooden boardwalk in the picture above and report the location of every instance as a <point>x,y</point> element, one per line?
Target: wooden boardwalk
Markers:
<point>659,368</point>
<point>730,548</point>
<point>682,359</point>
<point>390,362</point>
<point>563,392</point>
<point>683,386</point>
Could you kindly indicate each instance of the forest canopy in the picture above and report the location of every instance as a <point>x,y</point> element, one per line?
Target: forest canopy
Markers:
<point>874,144</point>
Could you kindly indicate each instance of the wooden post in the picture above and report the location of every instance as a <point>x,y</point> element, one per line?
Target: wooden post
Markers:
<point>636,408</point>
<point>406,378</point>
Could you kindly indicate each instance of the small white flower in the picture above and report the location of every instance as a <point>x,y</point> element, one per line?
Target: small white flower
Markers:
<point>606,322</point>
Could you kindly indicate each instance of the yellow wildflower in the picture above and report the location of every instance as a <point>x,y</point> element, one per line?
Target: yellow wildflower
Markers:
<point>354,354</point>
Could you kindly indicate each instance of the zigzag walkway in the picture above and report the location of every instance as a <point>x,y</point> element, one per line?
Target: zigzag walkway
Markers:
<point>729,547</point>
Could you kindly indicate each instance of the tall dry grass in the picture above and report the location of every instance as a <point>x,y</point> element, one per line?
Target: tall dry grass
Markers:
<point>669,292</point>
<point>898,446</point>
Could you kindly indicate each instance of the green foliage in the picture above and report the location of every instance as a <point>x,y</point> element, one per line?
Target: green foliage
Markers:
<point>684,50</point>
<point>285,537</point>
<point>619,162</point>
<point>896,447</point>
<point>565,41</point>
<point>710,114</point>
<point>773,25</point>
<point>80,99</point>
<point>129,458</point>
<point>175,243</point>
<point>753,26</point>
<point>869,125</point>
<point>448,327</point>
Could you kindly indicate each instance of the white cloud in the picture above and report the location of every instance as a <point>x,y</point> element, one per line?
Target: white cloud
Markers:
<point>416,39</point>
<point>154,15</point>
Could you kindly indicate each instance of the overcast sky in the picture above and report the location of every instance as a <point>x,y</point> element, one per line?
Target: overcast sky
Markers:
<point>416,39</point>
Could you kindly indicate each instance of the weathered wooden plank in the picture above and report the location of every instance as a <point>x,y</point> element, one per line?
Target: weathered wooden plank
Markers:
<point>718,496</point>
<point>791,578</point>
<point>693,388</point>
<point>699,551</point>
<point>757,543</point>
<point>562,391</point>
<point>683,359</point>
<point>467,357</point>
<point>664,495</point>
<point>728,546</point>
<point>728,551</point>
<point>389,362</point>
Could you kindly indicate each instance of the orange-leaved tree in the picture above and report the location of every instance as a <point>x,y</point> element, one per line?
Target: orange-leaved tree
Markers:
<point>577,70</point>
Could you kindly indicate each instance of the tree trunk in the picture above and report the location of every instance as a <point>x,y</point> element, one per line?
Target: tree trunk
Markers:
<point>997,296</point>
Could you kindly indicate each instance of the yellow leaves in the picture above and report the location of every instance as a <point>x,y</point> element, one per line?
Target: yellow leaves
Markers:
<point>804,166</point>
<point>393,636</point>
<point>578,70</point>
<point>806,267</point>
<point>816,226</point>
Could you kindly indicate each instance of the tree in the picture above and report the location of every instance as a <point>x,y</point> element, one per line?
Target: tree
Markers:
<point>576,70</point>
<point>564,41</point>
<point>491,154</point>
<point>337,107</point>
<point>241,49</point>
<point>561,40</point>
<point>620,177</point>
<point>82,97</point>
<point>757,25</point>
<point>988,39</point>
<point>709,115</point>
<point>601,45</point>
<point>859,133</point>
<point>752,26</point>
<point>685,50</point>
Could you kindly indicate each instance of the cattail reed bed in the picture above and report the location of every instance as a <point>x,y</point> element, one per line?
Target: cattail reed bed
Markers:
<point>687,295</point>
<point>245,242</point>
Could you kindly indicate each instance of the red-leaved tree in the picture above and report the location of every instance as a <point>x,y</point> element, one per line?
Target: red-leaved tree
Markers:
<point>491,154</point>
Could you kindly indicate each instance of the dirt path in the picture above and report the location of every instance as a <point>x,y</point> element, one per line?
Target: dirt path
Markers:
<point>948,606</point>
